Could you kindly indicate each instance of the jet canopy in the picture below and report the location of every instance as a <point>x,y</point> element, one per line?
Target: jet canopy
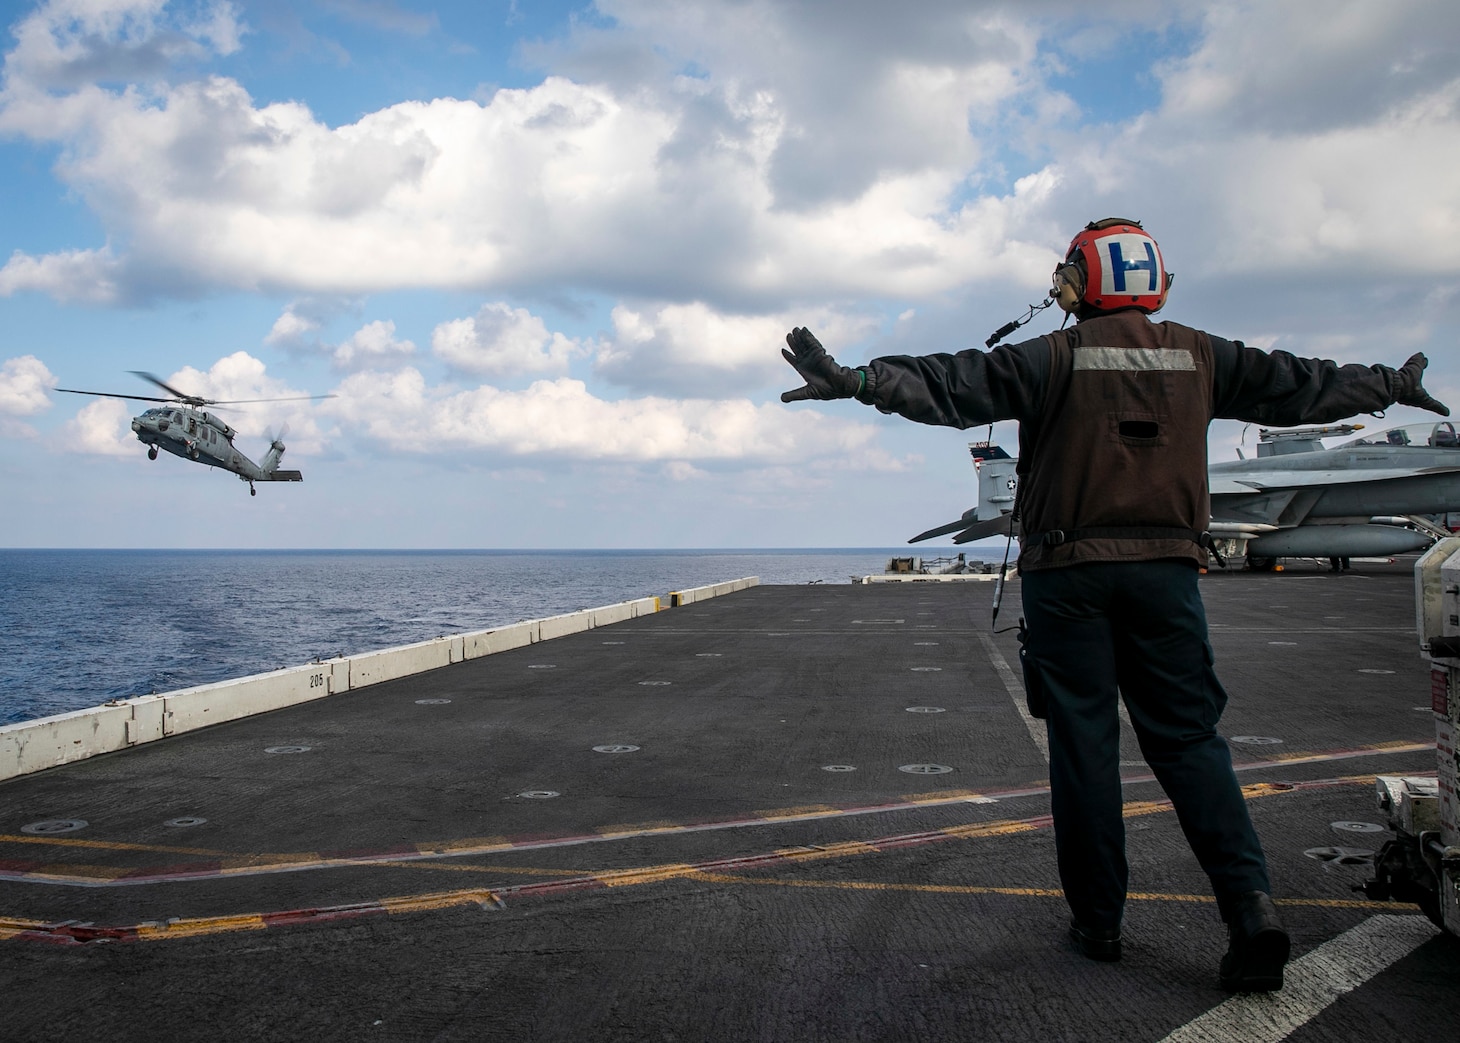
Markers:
<point>1419,436</point>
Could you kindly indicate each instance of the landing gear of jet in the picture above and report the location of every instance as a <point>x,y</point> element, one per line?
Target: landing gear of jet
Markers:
<point>152,452</point>
<point>251,490</point>
<point>1258,564</point>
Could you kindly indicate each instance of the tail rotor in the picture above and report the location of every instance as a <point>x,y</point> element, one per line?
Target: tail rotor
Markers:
<point>276,441</point>
<point>270,463</point>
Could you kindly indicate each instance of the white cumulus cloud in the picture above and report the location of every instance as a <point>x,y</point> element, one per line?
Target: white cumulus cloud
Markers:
<point>24,383</point>
<point>87,276</point>
<point>373,344</point>
<point>292,328</point>
<point>765,179</point>
<point>562,419</point>
<point>502,341</point>
<point>69,43</point>
<point>694,350</point>
<point>101,428</point>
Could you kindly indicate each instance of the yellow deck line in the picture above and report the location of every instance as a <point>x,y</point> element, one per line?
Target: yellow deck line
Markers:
<point>10,927</point>
<point>232,863</point>
<point>106,845</point>
<point>203,925</point>
<point>440,900</point>
<point>1018,892</point>
<point>257,864</point>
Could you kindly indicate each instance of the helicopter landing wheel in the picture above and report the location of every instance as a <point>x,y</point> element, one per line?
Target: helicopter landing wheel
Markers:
<point>152,452</point>
<point>192,454</point>
<point>252,491</point>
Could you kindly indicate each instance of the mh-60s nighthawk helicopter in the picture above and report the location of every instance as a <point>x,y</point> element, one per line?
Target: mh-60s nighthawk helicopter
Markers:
<point>184,428</point>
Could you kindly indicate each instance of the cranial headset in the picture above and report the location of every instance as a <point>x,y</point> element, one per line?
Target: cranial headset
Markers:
<point>1112,264</point>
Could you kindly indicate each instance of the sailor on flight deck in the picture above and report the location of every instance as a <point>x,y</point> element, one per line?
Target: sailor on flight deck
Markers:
<point>1113,505</point>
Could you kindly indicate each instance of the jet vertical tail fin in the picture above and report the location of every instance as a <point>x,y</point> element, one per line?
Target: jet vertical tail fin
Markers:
<point>997,484</point>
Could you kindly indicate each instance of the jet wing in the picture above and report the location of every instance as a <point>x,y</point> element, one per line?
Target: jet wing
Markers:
<point>1265,481</point>
<point>992,527</point>
<point>969,528</point>
<point>970,516</point>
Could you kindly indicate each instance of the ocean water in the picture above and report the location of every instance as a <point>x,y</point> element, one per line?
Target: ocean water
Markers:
<point>80,627</point>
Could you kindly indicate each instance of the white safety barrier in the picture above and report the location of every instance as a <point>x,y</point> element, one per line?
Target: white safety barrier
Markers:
<point>50,741</point>
<point>679,598</point>
<point>916,577</point>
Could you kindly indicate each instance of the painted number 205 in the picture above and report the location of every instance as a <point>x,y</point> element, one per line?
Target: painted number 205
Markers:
<point>316,680</point>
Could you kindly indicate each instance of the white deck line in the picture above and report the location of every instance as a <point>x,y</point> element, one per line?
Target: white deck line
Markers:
<point>1311,984</point>
<point>1036,727</point>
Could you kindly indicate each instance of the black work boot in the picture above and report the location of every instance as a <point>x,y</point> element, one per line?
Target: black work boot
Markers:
<point>1257,946</point>
<point>1096,943</point>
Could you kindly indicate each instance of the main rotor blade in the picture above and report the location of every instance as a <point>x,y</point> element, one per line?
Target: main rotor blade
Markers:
<point>247,401</point>
<point>160,383</point>
<point>109,394</point>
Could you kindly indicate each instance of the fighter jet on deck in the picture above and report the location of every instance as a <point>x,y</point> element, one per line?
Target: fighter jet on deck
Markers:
<point>1372,496</point>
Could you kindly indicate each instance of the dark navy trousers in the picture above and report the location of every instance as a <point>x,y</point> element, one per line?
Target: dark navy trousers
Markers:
<point>1138,630</point>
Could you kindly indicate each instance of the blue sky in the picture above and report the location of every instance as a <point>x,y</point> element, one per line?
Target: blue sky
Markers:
<point>544,254</point>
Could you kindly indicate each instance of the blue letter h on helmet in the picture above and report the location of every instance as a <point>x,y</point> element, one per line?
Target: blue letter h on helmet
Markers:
<point>1119,266</point>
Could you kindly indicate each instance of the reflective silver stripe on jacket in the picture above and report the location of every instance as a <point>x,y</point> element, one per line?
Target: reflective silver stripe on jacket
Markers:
<point>1133,360</point>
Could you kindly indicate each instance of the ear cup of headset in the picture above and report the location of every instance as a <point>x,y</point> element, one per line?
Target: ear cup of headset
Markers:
<point>1069,286</point>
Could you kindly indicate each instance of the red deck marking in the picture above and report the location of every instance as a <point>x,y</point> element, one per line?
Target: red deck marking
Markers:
<point>191,869</point>
<point>260,865</point>
<point>70,932</point>
<point>346,853</point>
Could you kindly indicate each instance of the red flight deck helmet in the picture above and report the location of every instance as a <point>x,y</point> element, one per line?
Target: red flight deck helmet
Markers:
<point>1112,264</point>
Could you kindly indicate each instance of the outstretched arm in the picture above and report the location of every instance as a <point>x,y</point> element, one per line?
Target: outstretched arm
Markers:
<point>1281,389</point>
<point>963,390</point>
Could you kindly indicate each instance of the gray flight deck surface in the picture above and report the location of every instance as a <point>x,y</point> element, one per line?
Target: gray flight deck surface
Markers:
<point>452,859</point>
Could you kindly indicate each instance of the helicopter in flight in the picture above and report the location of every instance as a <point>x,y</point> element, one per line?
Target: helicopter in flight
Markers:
<point>183,426</point>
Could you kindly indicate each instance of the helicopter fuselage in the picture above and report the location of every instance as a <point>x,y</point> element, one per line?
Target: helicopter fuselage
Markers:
<point>201,437</point>
<point>190,434</point>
